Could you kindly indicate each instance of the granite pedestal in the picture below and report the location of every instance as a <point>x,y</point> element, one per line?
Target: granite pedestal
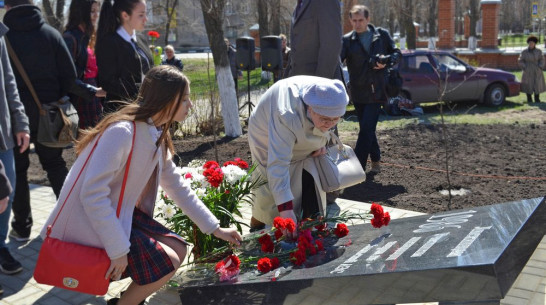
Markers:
<point>469,256</point>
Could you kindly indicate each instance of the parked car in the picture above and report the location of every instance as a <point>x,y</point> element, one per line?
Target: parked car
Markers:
<point>429,74</point>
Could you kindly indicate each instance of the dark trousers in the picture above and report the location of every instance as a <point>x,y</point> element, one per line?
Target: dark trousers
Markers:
<point>309,201</point>
<point>53,163</point>
<point>366,144</point>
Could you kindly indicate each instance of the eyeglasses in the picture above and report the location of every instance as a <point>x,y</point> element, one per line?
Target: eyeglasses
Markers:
<point>324,119</point>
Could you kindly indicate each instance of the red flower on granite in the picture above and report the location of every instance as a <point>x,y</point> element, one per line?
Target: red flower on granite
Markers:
<point>376,210</point>
<point>377,222</point>
<point>188,176</point>
<point>267,244</point>
<point>320,245</point>
<point>228,268</point>
<point>298,257</point>
<point>341,230</point>
<point>264,265</point>
<point>275,263</point>
<point>214,176</point>
<point>386,219</point>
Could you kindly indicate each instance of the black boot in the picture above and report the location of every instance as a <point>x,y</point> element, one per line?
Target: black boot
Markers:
<point>529,98</point>
<point>537,99</point>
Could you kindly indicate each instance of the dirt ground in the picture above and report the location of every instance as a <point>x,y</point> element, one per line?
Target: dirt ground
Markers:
<point>495,163</point>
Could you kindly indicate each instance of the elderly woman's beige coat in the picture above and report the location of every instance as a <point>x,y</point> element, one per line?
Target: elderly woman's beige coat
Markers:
<point>281,138</point>
<point>532,63</point>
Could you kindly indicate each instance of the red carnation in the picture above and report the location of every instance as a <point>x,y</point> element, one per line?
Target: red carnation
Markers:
<point>275,263</point>
<point>242,164</point>
<point>377,222</point>
<point>321,227</point>
<point>290,225</point>
<point>211,164</point>
<point>153,34</point>
<point>267,244</point>
<point>341,230</point>
<point>298,257</point>
<point>279,223</point>
<point>264,265</point>
<point>188,176</point>
<point>376,210</point>
<point>320,245</point>
<point>235,262</point>
<point>214,176</point>
<point>386,219</point>
<point>230,163</point>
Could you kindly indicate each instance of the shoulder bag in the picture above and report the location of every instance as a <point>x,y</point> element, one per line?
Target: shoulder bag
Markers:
<point>58,123</point>
<point>73,266</point>
<point>339,168</point>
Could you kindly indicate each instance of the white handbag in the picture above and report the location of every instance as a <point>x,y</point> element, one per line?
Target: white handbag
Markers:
<point>339,168</point>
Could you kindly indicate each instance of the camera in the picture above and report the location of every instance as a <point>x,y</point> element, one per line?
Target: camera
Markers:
<point>380,59</point>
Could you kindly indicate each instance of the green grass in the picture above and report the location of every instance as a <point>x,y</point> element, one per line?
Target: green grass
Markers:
<point>458,113</point>
<point>202,75</point>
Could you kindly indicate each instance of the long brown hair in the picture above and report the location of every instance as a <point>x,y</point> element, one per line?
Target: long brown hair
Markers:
<point>161,93</point>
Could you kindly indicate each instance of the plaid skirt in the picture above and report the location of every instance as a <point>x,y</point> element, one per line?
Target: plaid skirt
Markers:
<point>147,260</point>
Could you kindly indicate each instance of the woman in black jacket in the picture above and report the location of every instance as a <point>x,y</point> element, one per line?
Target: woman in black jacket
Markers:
<point>80,30</point>
<point>122,58</point>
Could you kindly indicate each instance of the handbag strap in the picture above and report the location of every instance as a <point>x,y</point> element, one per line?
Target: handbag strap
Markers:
<point>120,200</point>
<point>23,73</point>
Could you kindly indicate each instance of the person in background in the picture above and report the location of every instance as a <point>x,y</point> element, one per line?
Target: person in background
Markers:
<point>46,60</point>
<point>285,58</point>
<point>158,53</point>
<point>170,58</point>
<point>123,58</point>
<point>368,51</point>
<point>138,246</point>
<point>531,61</point>
<point>315,39</point>
<point>290,124</point>
<point>79,37</point>
<point>15,134</point>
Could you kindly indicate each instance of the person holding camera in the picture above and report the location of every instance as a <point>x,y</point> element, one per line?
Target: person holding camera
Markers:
<point>368,51</point>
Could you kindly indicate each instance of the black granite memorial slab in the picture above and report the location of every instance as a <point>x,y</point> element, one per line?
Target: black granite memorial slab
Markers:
<point>457,257</point>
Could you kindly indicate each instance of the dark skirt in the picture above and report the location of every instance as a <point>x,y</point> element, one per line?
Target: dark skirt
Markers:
<point>147,260</point>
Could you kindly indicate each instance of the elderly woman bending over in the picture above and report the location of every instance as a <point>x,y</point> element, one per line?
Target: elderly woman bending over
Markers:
<point>290,124</point>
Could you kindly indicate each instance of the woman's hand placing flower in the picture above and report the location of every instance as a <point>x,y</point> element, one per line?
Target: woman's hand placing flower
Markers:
<point>229,234</point>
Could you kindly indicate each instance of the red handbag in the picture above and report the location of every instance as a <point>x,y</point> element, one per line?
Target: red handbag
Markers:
<point>73,266</point>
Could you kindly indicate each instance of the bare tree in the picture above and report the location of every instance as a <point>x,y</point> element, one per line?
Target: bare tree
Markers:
<point>269,12</point>
<point>54,18</point>
<point>432,17</point>
<point>213,14</point>
<point>406,22</point>
<point>474,14</point>
<point>170,9</point>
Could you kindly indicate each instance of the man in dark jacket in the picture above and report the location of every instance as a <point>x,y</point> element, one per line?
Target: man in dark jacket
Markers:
<point>49,66</point>
<point>368,52</point>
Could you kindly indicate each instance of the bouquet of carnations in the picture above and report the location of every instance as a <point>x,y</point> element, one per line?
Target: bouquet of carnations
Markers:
<point>222,189</point>
<point>267,251</point>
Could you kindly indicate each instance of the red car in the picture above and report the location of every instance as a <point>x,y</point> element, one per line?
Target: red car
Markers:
<point>429,74</point>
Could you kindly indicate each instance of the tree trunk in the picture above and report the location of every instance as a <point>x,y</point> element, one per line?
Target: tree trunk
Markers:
<point>275,26</point>
<point>170,15</point>
<point>407,16</point>
<point>432,16</point>
<point>263,21</point>
<point>50,16</point>
<point>474,16</point>
<point>213,14</point>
